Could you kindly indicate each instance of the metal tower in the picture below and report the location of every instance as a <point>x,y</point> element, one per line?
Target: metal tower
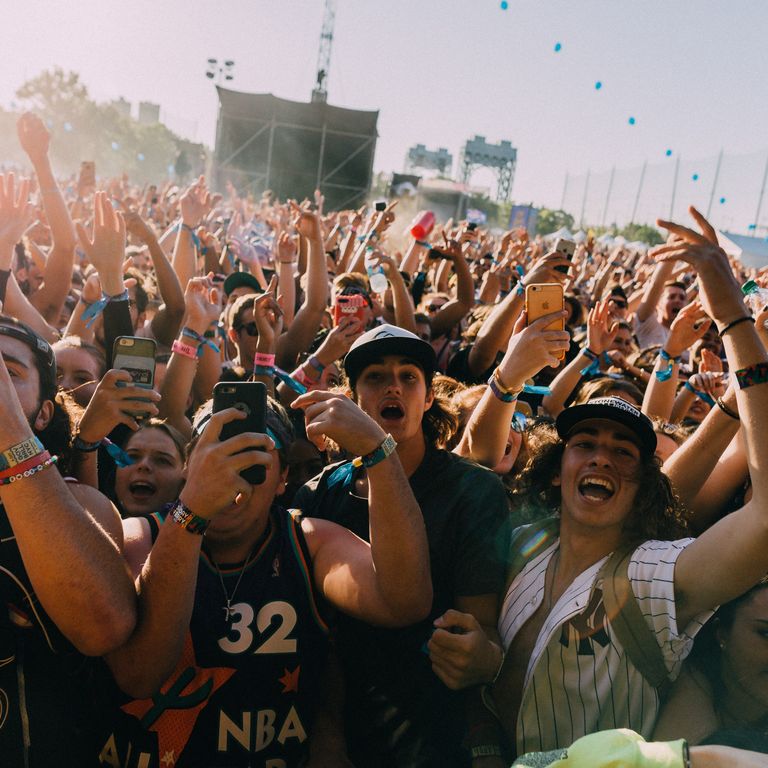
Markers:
<point>320,91</point>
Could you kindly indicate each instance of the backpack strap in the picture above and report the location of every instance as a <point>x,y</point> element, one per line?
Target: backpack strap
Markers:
<point>528,541</point>
<point>628,622</point>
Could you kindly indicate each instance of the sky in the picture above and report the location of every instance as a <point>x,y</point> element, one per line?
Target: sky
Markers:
<point>691,73</point>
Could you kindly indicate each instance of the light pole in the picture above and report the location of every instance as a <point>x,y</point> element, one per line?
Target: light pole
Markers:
<point>220,70</point>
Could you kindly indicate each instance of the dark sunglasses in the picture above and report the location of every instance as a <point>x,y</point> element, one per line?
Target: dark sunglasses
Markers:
<point>620,303</point>
<point>434,307</point>
<point>250,328</point>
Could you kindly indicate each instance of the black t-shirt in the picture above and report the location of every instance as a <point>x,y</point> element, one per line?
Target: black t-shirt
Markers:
<point>398,711</point>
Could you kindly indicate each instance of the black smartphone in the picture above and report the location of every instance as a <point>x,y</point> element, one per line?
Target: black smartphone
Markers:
<point>380,205</point>
<point>434,253</point>
<point>250,397</point>
<point>471,227</point>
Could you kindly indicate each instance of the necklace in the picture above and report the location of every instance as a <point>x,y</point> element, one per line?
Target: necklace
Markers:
<point>228,610</point>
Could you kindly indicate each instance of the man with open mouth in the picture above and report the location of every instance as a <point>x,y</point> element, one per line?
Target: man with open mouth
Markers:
<point>398,712</point>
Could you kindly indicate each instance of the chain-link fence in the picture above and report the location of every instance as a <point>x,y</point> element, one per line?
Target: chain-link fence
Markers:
<point>730,188</point>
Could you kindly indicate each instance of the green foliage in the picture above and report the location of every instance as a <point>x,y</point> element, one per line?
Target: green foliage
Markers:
<point>82,129</point>
<point>550,221</point>
<point>642,232</point>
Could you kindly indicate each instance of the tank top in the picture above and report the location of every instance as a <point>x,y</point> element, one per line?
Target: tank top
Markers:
<point>245,690</point>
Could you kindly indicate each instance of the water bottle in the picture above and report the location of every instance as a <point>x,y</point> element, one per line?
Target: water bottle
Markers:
<point>422,225</point>
<point>375,272</point>
<point>755,298</point>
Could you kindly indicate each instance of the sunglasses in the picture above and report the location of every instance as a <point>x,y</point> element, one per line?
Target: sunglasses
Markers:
<point>519,422</point>
<point>434,307</point>
<point>620,303</point>
<point>250,328</point>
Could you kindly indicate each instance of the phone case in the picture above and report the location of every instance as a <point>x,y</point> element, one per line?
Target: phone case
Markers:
<point>137,356</point>
<point>251,398</point>
<point>542,299</point>
<point>351,305</point>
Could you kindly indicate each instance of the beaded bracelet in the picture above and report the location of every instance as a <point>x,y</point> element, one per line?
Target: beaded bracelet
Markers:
<point>33,461</point>
<point>29,472</point>
<point>752,374</point>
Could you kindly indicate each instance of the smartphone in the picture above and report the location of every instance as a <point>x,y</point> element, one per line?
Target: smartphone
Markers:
<point>136,356</point>
<point>542,299</point>
<point>471,226</point>
<point>566,248</point>
<point>380,205</point>
<point>250,397</point>
<point>434,253</point>
<point>87,174</point>
<point>348,305</point>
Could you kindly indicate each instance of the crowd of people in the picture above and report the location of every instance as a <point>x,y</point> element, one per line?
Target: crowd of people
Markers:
<point>461,537</point>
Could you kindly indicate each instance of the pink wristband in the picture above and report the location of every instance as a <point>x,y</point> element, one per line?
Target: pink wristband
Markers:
<point>302,378</point>
<point>186,350</point>
<point>263,359</point>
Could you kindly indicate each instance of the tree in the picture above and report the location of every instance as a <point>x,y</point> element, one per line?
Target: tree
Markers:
<point>642,232</point>
<point>550,221</point>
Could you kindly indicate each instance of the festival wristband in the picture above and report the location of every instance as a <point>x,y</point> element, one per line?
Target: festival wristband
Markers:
<point>83,446</point>
<point>387,448</point>
<point>264,370</point>
<point>593,369</point>
<point>185,350</point>
<point>701,395</point>
<point>92,311</point>
<point>263,359</point>
<point>315,363</point>
<point>187,519</point>
<point>20,452</point>
<point>752,374</point>
<point>665,374</point>
<point>292,381</point>
<point>203,341</point>
<point>499,394</point>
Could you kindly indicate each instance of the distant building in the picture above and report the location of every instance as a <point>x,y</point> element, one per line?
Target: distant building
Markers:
<point>149,113</point>
<point>122,106</point>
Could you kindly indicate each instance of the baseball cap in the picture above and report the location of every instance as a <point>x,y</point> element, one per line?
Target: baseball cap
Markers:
<point>240,279</point>
<point>388,340</point>
<point>612,409</point>
<point>44,357</point>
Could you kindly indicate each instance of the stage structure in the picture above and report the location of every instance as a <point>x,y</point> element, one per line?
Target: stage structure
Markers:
<point>419,156</point>
<point>293,148</point>
<point>502,157</point>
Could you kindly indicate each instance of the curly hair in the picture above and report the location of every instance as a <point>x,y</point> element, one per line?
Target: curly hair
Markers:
<point>657,513</point>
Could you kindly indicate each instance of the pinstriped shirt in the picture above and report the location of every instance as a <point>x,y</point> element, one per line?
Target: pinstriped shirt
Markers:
<point>579,678</point>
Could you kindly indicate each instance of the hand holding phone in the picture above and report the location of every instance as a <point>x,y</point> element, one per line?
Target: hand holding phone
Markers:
<point>566,249</point>
<point>543,299</point>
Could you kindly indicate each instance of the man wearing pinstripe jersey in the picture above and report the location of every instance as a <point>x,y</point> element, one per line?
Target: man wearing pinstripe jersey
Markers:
<point>565,673</point>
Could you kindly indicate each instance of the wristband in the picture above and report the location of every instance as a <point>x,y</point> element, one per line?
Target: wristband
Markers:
<point>92,311</point>
<point>505,397</point>
<point>264,370</point>
<point>263,359</point>
<point>50,461</point>
<point>192,234</point>
<point>292,381</point>
<point>726,410</point>
<point>203,341</point>
<point>371,459</point>
<point>500,385</point>
<point>520,288</point>
<point>734,323</point>
<point>751,375</point>
<point>23,466</point>
<point>187,519</point>
<point>666,373</point>
<point>185,350</point>
<point>593,369</point>
<point>20,452</point>
<point>315,363</point>
<point>302,378</point>
<point>701,395</point>
<point>84,447</point>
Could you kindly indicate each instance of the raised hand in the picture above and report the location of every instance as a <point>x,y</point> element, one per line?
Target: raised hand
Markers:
<point>286,249</point>
<point>33,136</point>
<point>195,203</point>
<point>134,224</point>
<point>202,302</point>
<point>543,269</point>
<point>720,293</point>
<point>268,318</point>
<point>687,328</point>
<point>106,250</point>
<point>339,340</point>
<point>328,415</point>
<point>117,400</point>
<point>600,335</point>
<point>531,348</point>
<point>307,222</point>
<point>15,215</point>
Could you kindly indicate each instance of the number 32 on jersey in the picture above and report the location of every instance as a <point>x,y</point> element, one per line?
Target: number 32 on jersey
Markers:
<point>240,637</point>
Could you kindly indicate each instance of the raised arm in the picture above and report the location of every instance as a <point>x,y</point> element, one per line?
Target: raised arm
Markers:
<point>530,349</point>
<point>655,288</point>
<point>387,582</point>
<point>49,300</point>
<point>194,203</point>
<point>168,319</point>
<point>732,555</point>
<point>453,311</point>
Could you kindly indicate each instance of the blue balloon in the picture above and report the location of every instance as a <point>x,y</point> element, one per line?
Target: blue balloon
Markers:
<point>558,47</point>
<point>504,5</point>
<point>722,200</point>
<point>752,226</point>
<point>115,146</point>
<point>598,85</point>
<point>631,121</point>
<point>668,153</point>
<point>695,177</point>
